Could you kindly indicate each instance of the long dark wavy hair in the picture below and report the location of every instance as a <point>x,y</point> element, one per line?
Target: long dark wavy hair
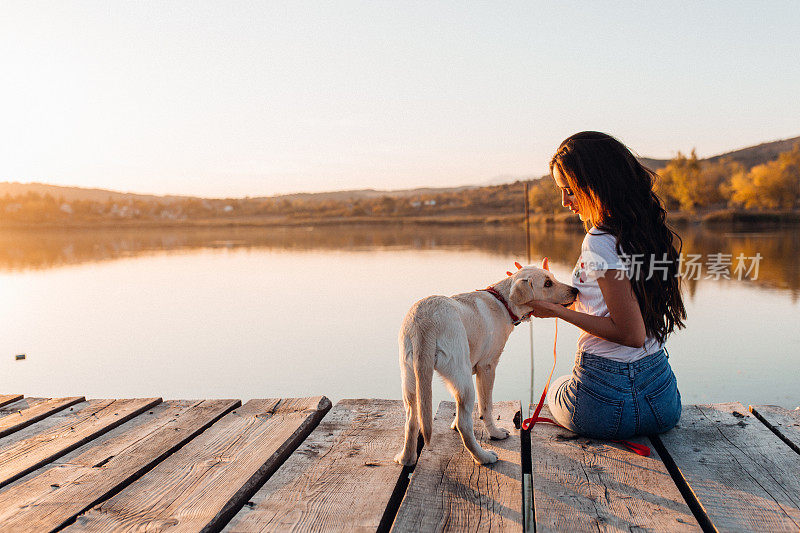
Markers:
<point>617,191</point>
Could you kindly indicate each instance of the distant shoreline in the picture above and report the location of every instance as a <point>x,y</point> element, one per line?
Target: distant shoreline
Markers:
<point>723,217</point>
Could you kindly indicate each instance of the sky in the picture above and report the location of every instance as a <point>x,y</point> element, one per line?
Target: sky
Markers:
<point>234,98</point>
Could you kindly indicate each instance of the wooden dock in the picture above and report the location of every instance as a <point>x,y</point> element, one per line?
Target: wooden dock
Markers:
<point>301,464</point>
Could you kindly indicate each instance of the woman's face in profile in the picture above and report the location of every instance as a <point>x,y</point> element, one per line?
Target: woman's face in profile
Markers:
<point>568,198</point>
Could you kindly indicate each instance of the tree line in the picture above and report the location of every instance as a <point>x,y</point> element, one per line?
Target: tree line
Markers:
<point>685,184</point>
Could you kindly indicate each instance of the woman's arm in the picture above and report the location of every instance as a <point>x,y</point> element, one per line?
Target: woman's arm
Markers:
<point>624,325</point>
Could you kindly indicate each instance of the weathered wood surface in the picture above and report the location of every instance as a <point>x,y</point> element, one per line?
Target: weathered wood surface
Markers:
<point>8,398</point>
<point>20,457</point>
<point>19,404</point>
<point>340,479</point>
<point>42,425</point>
<point>582,484</point>
<point>56,496</point>
<point>743,475</point>
<point>449,492</point>
<point>15,421</point>
<point>202,485</point>
<point>783,422</point>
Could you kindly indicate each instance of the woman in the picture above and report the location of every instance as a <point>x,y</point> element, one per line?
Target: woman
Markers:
<point>630,299</point>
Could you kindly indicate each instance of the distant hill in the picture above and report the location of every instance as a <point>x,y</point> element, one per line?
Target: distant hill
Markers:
<point>653,164</point>
<point>70,194</point>
<point>757,155</point>
<point>748,157</point>
<point>369,194</point>
<point>508,178</point>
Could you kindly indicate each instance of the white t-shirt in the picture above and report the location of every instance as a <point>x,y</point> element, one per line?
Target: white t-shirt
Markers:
<point>598,254</point>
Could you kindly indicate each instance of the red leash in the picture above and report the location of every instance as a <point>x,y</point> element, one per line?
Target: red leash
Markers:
<point>528,423</point>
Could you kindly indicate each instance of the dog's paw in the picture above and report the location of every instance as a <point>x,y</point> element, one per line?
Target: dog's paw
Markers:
<point>485,458</point>
<point>403,460</point>
<point>453,425</point>
<point>498,433</point>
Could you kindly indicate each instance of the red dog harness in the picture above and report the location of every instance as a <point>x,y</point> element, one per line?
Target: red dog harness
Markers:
<point>514,318</point>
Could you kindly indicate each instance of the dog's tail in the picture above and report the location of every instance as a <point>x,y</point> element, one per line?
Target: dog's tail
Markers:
<point>424,358</point>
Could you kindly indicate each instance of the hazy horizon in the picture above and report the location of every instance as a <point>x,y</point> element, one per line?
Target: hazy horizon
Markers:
<point>497,180</point>
<point>215,100</point>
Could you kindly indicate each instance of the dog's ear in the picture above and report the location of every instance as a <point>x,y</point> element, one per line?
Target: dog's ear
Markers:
<point>521,291</point>
<point>546,264</point>
<point>516,264</point>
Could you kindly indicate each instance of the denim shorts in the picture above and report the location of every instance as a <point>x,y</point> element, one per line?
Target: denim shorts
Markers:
<point>606,399</point>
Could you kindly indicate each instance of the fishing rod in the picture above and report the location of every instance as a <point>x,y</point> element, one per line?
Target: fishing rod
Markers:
<point>531,403</point>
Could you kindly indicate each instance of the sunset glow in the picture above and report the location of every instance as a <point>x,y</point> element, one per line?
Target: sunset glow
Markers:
<point>209,99</point>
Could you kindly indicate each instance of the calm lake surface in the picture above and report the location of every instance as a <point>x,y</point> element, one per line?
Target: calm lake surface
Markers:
<point>254,313</point>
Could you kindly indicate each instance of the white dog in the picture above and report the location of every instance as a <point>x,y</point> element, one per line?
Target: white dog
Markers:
<point>460,336</point>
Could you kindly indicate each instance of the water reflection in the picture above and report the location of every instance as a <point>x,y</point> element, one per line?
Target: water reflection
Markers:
<point>43,249</point>
<point>779,250</point>
<point>223,313</point>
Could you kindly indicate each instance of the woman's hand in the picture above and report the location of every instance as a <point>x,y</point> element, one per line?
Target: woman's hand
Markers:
<point>624,325</point>
<point>543,309</point>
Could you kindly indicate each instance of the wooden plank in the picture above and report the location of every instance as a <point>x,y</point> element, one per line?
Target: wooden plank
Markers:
<point>25,417</point>
<point>783,422</point>
<point>202,485</point>
<point>8,398</point>
<point>18,405</point>
<point>21,457</point>
<point>56,496</point>
<point>449,492</point>
<point>582,484</point>
<point>40,426</point>
<point>742,475</point>
<point>340,479</point>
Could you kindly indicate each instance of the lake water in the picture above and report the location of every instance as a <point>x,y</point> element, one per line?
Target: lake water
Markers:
<point>254,313</point>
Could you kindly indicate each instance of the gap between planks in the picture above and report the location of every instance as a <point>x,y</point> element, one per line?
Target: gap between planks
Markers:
<point>9,398</point>
<point>783,422</point>
<point>25,417</point>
